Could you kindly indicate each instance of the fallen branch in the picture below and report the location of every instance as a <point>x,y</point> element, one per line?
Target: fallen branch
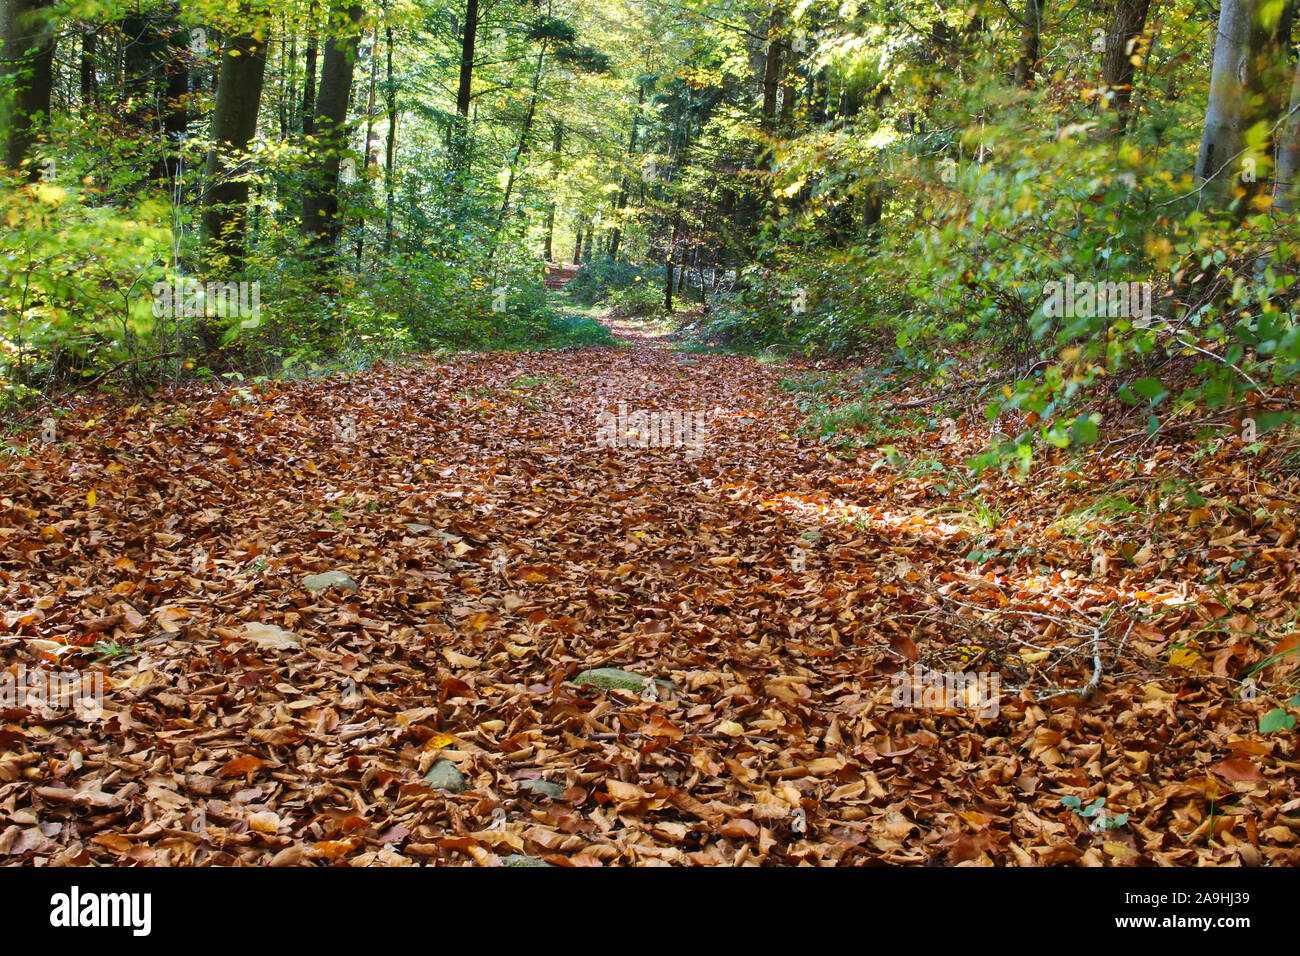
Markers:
<point>918,403</point>
<point>85,386</point>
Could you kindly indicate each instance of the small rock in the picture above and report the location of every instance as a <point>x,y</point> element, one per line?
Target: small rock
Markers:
<point>330,579</point>
<point>544,788</point>
<point>443,775</point>
<point>416,528</point>
<point>518,859</point>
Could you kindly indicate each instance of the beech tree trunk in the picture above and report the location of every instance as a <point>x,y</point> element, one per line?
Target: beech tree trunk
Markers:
<point>1288,154</point>
<point>320,216</point>
<point>234,123</point>
<point>1245,86</point>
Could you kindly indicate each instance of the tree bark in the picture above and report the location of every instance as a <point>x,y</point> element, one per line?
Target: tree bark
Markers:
<point>27,73</point>
<point>524,129</point>
<point>234,123</point>
<point>772,69</point>
<point>616,235</point>
<point>390,144</point>
<point>309,81</point>
<point>176,108</point>
<point>557,145</point>
<point>89,81</point>
<point>1288,154</point>
<point>370,132</point>
<point>461,136</point>
<point>1117,71</point>
<point>1030,42</point>
<point>320,219</point>
<point>1245,86</point>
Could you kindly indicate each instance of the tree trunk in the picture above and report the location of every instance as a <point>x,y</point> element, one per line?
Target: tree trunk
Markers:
<point>1244,89</point>
<point>668,267</point>
<point>772,69</point>
<point>616,235</point>
<point>461,136</point>
<point>1030,40</point>
<point>26,76</point>
<point>370,132</point>
<point>524,129</point>
<point>1126,28</point>
<point>234,123</point>
<point>176,110</point>
<point>1288,154</point>
<point>390,144</point>
<point>309,81</point>
<point>320,219</point>
<point>89,81</point>
<point>557,145</point>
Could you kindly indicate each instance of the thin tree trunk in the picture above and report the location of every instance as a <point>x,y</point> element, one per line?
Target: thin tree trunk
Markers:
<point>557,144</point>
<point>390,144</point>
<point>309,81</point>
<point>616,235</point>
<point>461,135</point>
<point>370,132</point>
<point>524,129</point>
<point>668,267</point>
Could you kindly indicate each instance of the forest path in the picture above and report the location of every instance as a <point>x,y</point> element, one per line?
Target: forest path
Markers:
<point>492,552</point>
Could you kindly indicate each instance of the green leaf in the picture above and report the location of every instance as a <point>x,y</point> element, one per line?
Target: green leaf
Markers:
<point>1275,720</point>
<point>1151,389</point>
<point>1085,431</point>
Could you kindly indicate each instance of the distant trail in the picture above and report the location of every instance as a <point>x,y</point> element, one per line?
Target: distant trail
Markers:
<point>559,274</point>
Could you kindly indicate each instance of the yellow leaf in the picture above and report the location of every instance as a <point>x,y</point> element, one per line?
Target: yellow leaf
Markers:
<point>730,728</point>
<point>91,498</point>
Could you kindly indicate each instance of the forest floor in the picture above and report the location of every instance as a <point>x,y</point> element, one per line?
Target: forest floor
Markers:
<point>418,706</point>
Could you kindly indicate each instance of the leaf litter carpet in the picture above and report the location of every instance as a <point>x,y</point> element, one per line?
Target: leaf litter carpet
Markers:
<point>487,552</point>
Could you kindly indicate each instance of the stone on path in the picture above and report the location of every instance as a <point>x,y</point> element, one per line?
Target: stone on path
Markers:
<point>330,579</point>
